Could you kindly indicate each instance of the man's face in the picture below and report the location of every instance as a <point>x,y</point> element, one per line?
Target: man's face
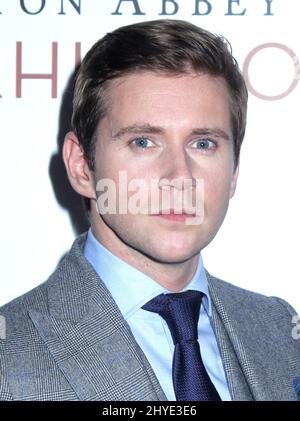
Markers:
<point>169,129</point>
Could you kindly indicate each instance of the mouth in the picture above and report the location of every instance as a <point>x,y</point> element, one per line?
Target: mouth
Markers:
<point>171,215</point>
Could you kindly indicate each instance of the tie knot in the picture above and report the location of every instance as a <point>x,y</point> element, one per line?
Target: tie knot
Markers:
<point>180,311</point>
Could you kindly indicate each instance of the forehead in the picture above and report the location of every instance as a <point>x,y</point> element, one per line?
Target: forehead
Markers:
<point>167,99</point>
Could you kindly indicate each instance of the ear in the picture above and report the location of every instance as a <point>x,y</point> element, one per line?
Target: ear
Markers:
<point>79,174</point>
<point>234,182</point>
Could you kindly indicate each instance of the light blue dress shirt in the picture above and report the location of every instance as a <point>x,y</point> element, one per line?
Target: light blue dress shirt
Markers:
<point>131,289</point>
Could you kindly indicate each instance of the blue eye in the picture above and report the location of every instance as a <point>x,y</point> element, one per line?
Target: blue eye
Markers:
<point>204,144</point>
<point>142,142</point>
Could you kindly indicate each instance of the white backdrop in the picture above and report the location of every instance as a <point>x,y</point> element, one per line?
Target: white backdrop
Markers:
<point>257,247</point>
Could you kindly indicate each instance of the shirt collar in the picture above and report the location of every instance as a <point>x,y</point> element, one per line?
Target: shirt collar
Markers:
<point>119,276</point>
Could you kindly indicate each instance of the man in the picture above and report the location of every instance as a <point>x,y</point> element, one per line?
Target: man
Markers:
<point>158,122</point>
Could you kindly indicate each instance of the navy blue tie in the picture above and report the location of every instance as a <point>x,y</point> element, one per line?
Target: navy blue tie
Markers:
<point>181,312</point>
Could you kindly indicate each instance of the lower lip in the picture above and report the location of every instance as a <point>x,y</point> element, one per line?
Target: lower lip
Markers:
<point>176,217</point>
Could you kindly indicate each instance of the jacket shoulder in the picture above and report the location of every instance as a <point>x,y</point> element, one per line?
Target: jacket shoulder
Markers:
<point>22,349</point>
<point>232,296</point>
<point>37,299</point>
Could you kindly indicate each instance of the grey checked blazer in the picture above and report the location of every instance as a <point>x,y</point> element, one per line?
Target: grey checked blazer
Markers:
<point>67,340</point>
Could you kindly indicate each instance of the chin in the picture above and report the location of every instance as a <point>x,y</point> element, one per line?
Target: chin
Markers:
<point>169,247</point>
<point>172,254</point>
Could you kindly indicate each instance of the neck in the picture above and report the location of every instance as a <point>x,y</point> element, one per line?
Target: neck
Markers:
<point>171,276</point>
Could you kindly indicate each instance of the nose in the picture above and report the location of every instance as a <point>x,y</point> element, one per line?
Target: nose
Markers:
<point>177,168</point>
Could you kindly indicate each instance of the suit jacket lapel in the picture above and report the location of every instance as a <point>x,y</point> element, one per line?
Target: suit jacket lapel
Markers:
<point>236,381</point>
<point>90,340</point>
<point>248,336</point>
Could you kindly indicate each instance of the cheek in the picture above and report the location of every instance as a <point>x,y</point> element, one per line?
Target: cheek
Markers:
<point>217,190</point>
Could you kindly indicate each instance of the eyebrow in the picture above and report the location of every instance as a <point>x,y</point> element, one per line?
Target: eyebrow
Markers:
<point>138,129</point>
<point>149,129</point>
<point>211,132</point>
